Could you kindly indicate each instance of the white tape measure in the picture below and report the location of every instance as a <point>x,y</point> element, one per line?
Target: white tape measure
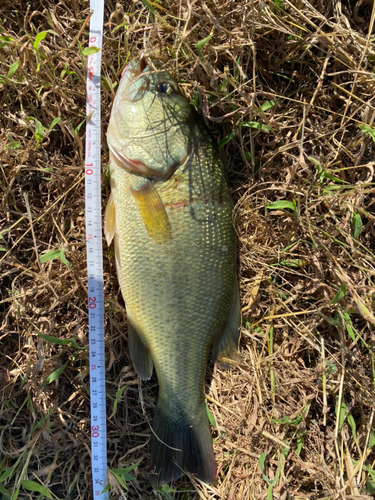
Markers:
<point>98,427</point>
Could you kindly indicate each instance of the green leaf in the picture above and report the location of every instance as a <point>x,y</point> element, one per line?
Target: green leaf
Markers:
<point>372,439</point>
<point>39,130</point>
<point>331,368</point>
<point>41,36</point>
<point>286,420</point>
<point>13,69</point>
<point>33,486</point>
<point>211,418</point>
<point>226,139</point>
<point>351,422</point>
<point>341,414</point>
<point>366,129</point>
<point>269,492</point>
<point>300,442</point>
<point>324,173</point>
<point>54,254</point>
<point>262,459</point>
<point>280,4</point>
<point>350,330</point>
<point>5,38</point>
<point>168,489</point>
<point>333,177</point>
<point>55,340</point>
<point>370,487</point>
<point>39,127</point>
<point>118,396</point>
<point>54,375</point>
<point>332,321</point>
<point>54,122</point>
<point>257,329</point>
<point>339,295</point>
<point>15,493</point>
<point>195,100</point>
<point>364,311</point>
<point>12,143</point>
<point>149,6</point>
<point>280,204</point>
<point>77,129</point>
<point>202,43</point>
<point>122,475</point>
<point>6,493</point>
<point>266,106</point>
<point>131,467</point>
<point>88,51</point>
<point>7,473</point>
<point>294,262</point>
<point>43,86</point>
<point>371,471</point>
<point>356,225</point>
<point>346,320</point>
<point>259,126</point>
<point>315,163</point>
<point>40,422</point>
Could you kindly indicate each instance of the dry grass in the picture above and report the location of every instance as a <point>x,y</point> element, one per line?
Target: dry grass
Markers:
<point>296,419</point>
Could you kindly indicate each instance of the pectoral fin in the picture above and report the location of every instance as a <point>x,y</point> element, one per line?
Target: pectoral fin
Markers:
<point>152,210</point>
<point>139,353</point>
<point>110,220</point>
<point>226,348</point>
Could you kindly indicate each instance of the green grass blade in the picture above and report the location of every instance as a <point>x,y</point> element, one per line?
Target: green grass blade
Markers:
<point>54,375</point>
<point>33,486</point>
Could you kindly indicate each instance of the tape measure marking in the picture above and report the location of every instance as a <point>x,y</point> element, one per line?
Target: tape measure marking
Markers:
<point>98,428</point>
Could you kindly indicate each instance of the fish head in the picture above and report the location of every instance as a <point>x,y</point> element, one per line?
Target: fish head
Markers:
<point>150,132</point>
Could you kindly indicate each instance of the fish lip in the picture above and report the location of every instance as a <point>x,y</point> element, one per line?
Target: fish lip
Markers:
<point>135,70</point>
<point>137,167</point>
<point>134,66</point>
<point>132,72</point>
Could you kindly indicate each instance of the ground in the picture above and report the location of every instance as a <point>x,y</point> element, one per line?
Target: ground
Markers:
<point>287,89</point>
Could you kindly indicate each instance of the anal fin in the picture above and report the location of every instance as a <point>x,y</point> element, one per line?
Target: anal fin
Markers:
<point>226,348</point>
<point>139,353</point>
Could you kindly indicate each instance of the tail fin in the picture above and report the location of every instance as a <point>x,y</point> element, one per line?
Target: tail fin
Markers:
<point>179,446</point>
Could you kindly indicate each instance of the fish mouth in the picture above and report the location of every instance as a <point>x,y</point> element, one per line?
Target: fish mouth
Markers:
<point>138,167</point>
<point>135,67</point>
<point>130,76</point>
<point>135,78</point>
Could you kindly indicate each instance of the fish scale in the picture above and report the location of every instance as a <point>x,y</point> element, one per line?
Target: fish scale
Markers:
<point>179,287</point>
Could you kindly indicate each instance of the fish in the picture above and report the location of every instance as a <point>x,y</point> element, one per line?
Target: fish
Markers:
<point>169,215</point>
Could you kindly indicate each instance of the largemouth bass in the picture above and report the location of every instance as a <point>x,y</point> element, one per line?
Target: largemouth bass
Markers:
<point>170,215</point>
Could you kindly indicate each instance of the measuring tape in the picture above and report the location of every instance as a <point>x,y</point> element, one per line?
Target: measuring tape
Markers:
<point>98,426</point>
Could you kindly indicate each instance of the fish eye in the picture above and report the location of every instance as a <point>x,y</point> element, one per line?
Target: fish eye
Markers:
<point>164,88</point>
